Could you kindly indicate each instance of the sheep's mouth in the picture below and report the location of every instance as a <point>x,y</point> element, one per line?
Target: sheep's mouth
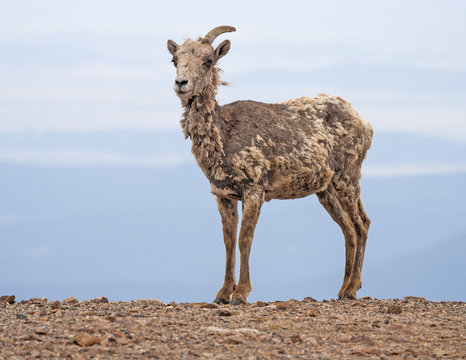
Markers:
<point>180,92</point>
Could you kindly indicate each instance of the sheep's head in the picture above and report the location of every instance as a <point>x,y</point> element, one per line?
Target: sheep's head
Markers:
<point>195,63</point>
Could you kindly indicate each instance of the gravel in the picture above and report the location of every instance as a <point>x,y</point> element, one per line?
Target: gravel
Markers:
<point>368,328</point>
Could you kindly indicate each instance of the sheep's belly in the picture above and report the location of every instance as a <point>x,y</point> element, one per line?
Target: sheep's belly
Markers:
<point>277,185</point>
<point>293,186</point>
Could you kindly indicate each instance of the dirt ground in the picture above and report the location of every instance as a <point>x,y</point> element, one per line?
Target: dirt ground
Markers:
<point>148,329</point>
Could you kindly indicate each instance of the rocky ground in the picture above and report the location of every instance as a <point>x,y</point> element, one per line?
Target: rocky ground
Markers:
<point>148,329</point>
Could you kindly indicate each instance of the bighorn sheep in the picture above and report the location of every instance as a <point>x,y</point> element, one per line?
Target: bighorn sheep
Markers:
<point>256,152</point>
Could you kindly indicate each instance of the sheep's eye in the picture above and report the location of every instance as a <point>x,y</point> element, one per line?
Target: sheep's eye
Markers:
<point>208,62</point>
<point>174,62</point>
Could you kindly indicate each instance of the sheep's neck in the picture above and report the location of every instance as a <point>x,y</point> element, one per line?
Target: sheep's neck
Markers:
<point>200,123</point>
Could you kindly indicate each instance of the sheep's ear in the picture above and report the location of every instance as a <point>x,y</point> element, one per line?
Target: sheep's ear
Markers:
<point>172,47</point>
<point>222,49</point>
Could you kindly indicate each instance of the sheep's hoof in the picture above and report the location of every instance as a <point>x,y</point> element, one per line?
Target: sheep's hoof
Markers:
<point>237,301</point>
<point>347,297</point>
<point>221,301</point>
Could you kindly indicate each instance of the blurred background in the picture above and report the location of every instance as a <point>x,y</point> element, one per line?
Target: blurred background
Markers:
<point>100,195</point>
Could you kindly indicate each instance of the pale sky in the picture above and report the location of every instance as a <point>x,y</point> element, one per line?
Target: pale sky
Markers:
<point>99,187</point>
<point>103,66</point>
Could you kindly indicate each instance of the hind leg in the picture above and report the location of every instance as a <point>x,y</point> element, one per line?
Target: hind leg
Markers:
<point>361,223</point>
<point>330,199</point>
<point>366,222</point>
<point>348,193</point>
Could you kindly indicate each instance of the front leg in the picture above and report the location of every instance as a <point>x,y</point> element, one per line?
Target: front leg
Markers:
<point>229,213</point>
<point>252,202</point>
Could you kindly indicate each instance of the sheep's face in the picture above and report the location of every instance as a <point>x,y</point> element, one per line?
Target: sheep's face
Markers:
<point>195,66</point>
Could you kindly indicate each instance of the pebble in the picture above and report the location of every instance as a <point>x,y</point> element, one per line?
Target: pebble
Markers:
<point>235,339</point>
<point>284,305</point>
<point>70,301</point>
<point>7,299</point>
<point>418,298</point>
<point>85,339</point>
<point>209,306</point>
<point>38,301</point>
<point>99,300</point>
<point>394,309</point>
<point>55,304</point>
<point>225,331</point>
<point>225,312</point>
<point>309,299</point>
<point>296,338</point>
<point>152,302</point>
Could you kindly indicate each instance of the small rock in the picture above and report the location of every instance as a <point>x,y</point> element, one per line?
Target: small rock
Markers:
<point>363,339</point>
<point>99,300</point>
<point>309,299</point>
<point>41,331</point>
<point>296,338</point>
<point>38,300</point>
<point>129,324</point>
<point>70,301</point>
<point>312,313</point>
<point>7,299</point>
<point>152,302</point>
<point>224,331</point>
<point>418,298</point>
<point>359,303</point>
<point>35,354</point>
<point>209,306</point>
<point>123,341</point>
<point>22,302</point>
<point>55,304</point>
<point>192,354</point>
<point>283,305</point>
<point>85,339</point>
<point>261,304</point>
<point>394,309</point>
<point>366,298</point>
<point>225,312</point>
<point>109,340</point>
<point>235,339</point>
<point>386,321</point>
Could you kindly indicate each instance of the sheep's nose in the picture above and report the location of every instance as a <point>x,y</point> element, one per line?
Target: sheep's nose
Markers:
<point>181,81</point>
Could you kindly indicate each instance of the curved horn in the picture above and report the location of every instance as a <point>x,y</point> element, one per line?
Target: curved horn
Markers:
<point>212,34</point>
